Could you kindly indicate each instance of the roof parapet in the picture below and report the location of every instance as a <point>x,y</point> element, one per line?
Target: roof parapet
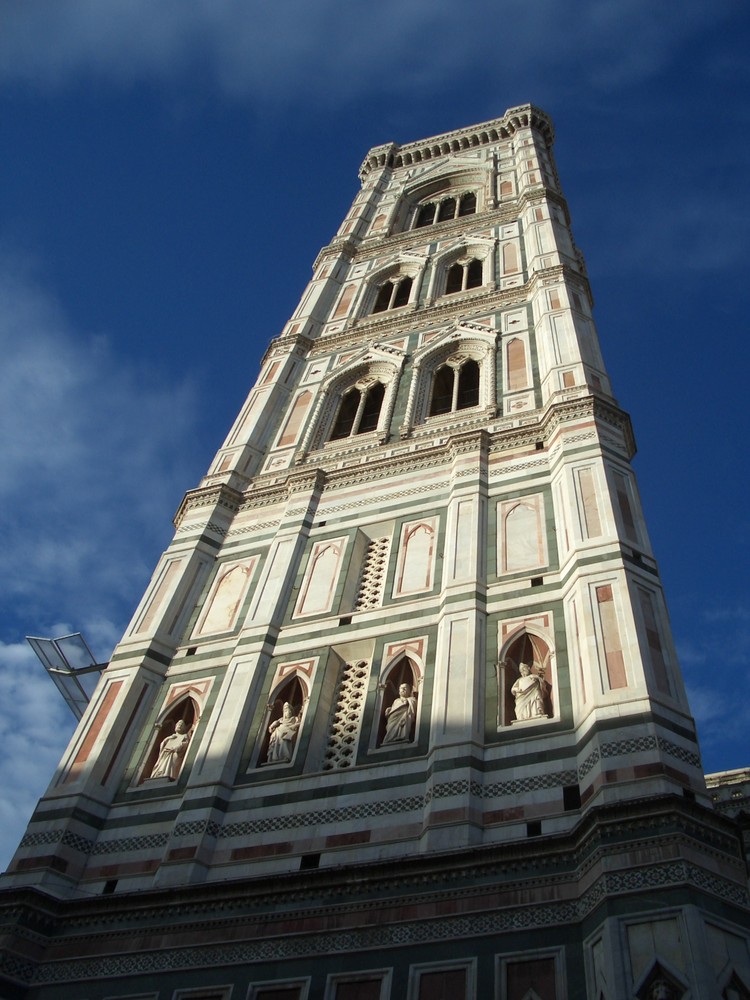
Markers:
<point>392,155</point>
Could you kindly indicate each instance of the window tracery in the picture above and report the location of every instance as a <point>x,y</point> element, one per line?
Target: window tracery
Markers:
<point>359,410</point>
<point>440,210</point>
<point>455,386</point>
<point>393,294</point>
<point>452,373</point>
<point>464,274</point>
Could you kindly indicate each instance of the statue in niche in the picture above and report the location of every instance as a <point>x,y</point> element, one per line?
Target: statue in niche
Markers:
<point>400,717</point>
<point>283,737</point>
<point>171,752</point>
<point>529,691</point>
<point>661,990</point>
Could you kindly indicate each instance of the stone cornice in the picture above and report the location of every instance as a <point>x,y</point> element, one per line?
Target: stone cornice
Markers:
<point>209,496</point>
<point>515,874</point>
<point>384,326</point>
<point>371,461</point>
<point>287,343</point>
<point>376,246</point>
<point>393,156</point>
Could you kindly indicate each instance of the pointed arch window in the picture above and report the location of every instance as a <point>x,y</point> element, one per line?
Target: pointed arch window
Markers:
<point>359,411</point>
<point>450,207</point>
<point>393,294</point>
<point>463,275</point>
<point>455,387</point>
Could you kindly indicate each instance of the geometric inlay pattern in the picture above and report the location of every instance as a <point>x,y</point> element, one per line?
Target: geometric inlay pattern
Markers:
<point>630,746</point>
<point>376,807</point>
<point>131,843</point>
<point>385,936</point>
<point>591,761</point>
<point>200,826</point>
<point>68,839</point>
<point>686,756</point>
<point>641,743</point>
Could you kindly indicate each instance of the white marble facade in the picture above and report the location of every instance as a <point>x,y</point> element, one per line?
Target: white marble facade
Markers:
<point>417,561</point>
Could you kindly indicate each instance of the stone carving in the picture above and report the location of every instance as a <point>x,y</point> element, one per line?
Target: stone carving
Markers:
<point>171,752</point>
<point>372,578</point>
<point>347,717</point>
<point>400,717</point>
<point>660,989</point>
<point>283,737</point>
<point>529,691</point>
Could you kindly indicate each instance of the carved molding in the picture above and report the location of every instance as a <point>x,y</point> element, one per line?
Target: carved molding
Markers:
<point>427,150</point>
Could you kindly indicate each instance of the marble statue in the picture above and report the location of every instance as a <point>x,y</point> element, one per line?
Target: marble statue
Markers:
<point>400,717</point>
<point>529,692</point>
<point>283,736</point>
<point>171,752</point>
<point>661,990</point>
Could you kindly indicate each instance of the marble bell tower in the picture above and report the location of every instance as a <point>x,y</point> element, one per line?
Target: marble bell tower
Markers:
<point>399,715</point>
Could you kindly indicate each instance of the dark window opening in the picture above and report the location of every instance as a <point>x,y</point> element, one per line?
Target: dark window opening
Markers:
<point>403,290</point>
<point>571,797</point>
<point>371,410</point>
<point>537,581</point>
<point>468,385</point>
<point>191,651</point>
<point>425,216</point>
<point>383,301</point>
<point>534,828</point>
<point>359,412</point>
<point>447,209</point>
<point>455,389</point>
<point>346,415</point>
<point>474,274</point>
<point>468,204</point>
<point>455,279</point>
<point>442,391</point>
<point>109,887</point>
<point>309,861</point>
<point>461,276</point>
<point>393,294</point>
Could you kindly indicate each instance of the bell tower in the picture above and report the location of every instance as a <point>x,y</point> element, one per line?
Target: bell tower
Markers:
<point>400,714</point>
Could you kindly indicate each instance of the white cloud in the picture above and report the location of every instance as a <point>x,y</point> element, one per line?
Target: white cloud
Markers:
<point>92,464</point>
<point>336,52</point>
<point>35,727</point>
<point>90,472</point>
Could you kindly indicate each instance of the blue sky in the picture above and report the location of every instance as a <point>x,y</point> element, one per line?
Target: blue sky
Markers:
<point>170,169</point>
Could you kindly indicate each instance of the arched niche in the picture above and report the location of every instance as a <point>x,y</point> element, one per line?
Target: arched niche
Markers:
<point>397,708</point>
<point>167,752</point>
<point>281,724</point>
<point>533,700</point>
